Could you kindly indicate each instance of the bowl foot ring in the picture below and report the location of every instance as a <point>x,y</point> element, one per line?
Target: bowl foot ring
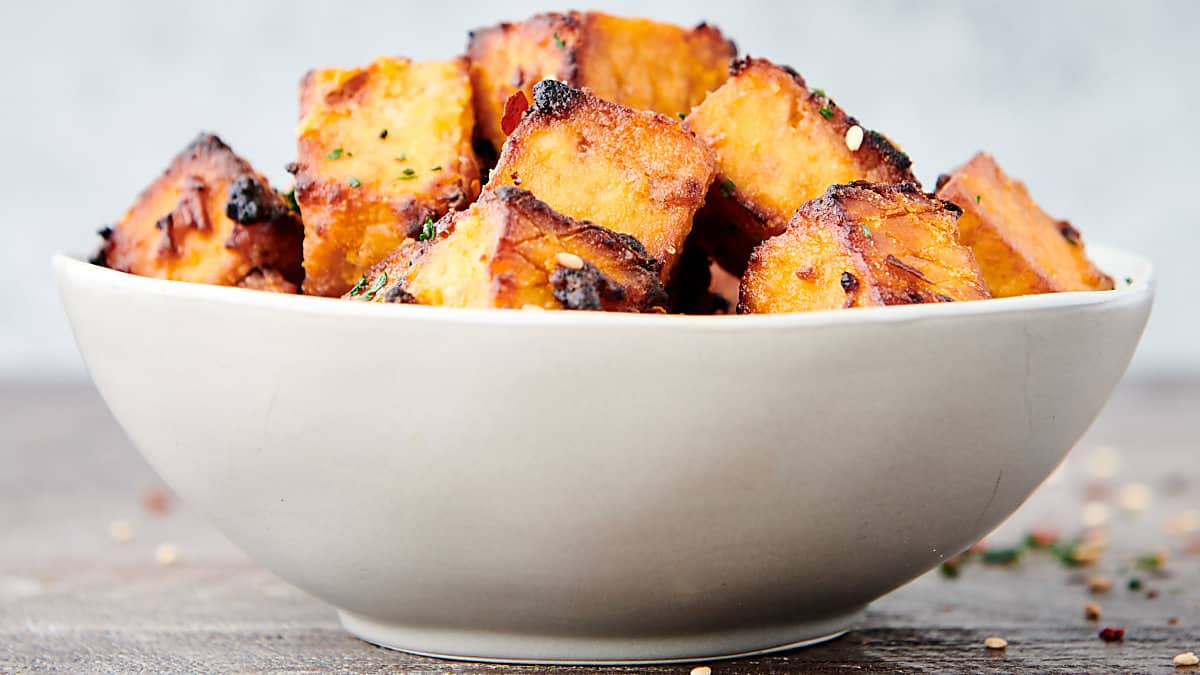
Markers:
<point>489,647</point>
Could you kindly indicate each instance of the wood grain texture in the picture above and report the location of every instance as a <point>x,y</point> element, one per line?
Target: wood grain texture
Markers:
<point>72,600</point>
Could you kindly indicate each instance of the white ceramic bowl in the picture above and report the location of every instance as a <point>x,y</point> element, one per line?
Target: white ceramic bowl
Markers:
<point>587,487</point>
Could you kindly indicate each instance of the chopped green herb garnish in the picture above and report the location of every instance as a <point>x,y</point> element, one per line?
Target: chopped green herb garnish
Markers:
<point>727,187</point>
<point>290,198</point>
<point>1128,281</point>
<point>826,112</point>
<point>681,116</point>
<point>349,154</point>
<point>408,176</point>
<point>403,157</point>
<point>1149,562</point>
<point>558,42</point>
<point>336,153</point>
<point>409,172</point>
<point>358,288</point>
<point>819,92</point>
<point>354,182</point>
<point>866,231</point>
<point>1001,556</point>
<point>1135,584</point>
<point>437,168</point>
<point>951,569</point>
<point>978,198</point>
<point>383,134</point>
<point>380,280</point>
<point>427,230</point>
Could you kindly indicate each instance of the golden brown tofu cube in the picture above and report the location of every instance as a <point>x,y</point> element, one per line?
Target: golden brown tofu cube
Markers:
<point>630,171</point>
<point>778,145</point>
<point>511,251</point>
<point>1020,248</point>
<point>863,245</point>
<point>381,150</point>
<point>643,64</point>
<point>212,219</point>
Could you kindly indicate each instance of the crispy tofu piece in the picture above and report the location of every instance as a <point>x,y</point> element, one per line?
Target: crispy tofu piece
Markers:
<point>1020,248</point>
<point>631,171</point>
<point>511,251</point>
<point>863,245</point>
<point>778,145</point>
<point>381,149</point>
<point>210,218</point>
<point>643,64</point>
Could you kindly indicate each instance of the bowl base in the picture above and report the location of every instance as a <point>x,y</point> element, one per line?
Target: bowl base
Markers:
<point>489,647</point>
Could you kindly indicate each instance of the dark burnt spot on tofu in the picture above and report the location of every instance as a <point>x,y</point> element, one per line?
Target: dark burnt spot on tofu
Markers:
<point>943,298</point>
<point>105,232</point>
<point>400,294</point>
<point>849,283</point>
<point>891,153</point>
<point>551,97</point>
<point>941,181</point>
<point>586,288</point>
<point>1068,232</point>
<point>250,202</point>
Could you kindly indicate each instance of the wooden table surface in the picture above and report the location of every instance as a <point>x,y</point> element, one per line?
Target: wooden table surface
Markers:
<point>74,600</point>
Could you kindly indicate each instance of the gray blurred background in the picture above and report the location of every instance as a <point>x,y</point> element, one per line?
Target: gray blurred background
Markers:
<point>1092,104</point>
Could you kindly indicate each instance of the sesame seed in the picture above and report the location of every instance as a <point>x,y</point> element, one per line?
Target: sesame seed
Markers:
<point>569,261</point>
<point>1095,514</point>
<point>1134,497</point>
<point>1185,659</point>
<point>854,138</point>
<point>1099,584</point>
<point>120,531</point>
<point>166,554</point>
<point>1092,611</point>
<point>1104,462</point>
<point>705,670</point>
<point>995,643</point>
<point>1183,522</point>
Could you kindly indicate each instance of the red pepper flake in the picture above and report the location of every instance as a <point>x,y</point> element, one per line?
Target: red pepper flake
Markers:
<point>1173,621</point>
<point>1111,634</point>
<point>155,501</point>
<point>514,107</point>
<point>1042,537</point>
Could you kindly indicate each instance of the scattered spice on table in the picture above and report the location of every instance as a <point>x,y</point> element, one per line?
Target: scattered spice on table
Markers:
<point>1099,583</point>
<point>1091,611</point>
<point>120,531</point>
<point>166,554</point>
<point>995,643</point>
<point>1112,634</point>
<point>155,501</point>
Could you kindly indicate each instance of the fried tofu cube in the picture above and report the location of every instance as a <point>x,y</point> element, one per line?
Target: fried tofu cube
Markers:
<point>210,218</point>
<point>381,149</point>
<point>643,64</point>
<point>778,145</point>
<point>511,251</point>
<point>863,245</point>
<point>631,171</point>
<point>1020,248</point>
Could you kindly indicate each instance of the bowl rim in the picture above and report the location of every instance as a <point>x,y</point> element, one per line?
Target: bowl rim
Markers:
<point>1133,275</point>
